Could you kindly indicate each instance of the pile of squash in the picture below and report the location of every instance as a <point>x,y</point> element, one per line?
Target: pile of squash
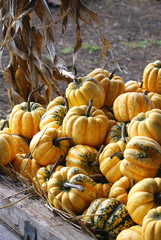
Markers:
<point>96,152</point>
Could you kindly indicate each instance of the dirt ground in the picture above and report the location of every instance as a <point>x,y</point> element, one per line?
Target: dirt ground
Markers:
<point>133,29</point>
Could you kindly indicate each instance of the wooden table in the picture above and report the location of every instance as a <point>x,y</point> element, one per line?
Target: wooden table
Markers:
<point>34,213</point>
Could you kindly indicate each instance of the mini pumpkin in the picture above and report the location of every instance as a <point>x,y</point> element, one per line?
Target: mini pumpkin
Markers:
<point>146,124</point>
<point>133,86</point>
<point>151,226</point>
<point>56,101</point>
<point>142,158</point>
<point>82,90</point>
<point>53,118</point>
<point>7,148</point>
<point>121,188</point>
<point>26,166</point>
<point>25,118</point>
<point>86,125</point>
<point>110,160</point>
<point>152,77</point>
<point>132,233</point>
<point>112,84</point>
<point>84,157</point>
<point>21,144</point>
<point>156,99</point>
<point>108,215</point>
<point>44,174</point>
<point>48,145</point>
<point>71,189</point>
<point>117,132</point>
<point>128,105</point>
<point>103,189</point>
<point>142,197</point>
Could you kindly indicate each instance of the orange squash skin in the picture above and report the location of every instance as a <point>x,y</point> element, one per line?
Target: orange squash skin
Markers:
<point>19,164</point>
<point>146,124</point>
<point>71,199</point>
<point>86,88</point>
<point>46,150</point>
<point>152,77</point>
<point>151,226</point>
<point>142,158</point>
<point>7,148</point>
<point>142,198</point>
<point>86,130</point>
<point>25,123</point>
<point>110,168</point>
<point>132,233</point>
<point>127,105</point>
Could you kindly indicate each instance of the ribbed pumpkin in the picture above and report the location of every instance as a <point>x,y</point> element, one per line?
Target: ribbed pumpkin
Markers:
<point>25,118</point>
<point>142,158</point>
<point>110,163</point>
<point>103,189</point>
<point>21,144</point>
<point>121,188</point>
<point>156,99</point>
<point>56,101</point>
<point>152,77</point>
<point>53,118</point>
<point>109,215</point>
<point>47,146</point>
<point>151,226</point>
<point>82,90</point>
<point>133,86</point>
<point>84,157</point>
<point>99,74</point>
<point>117,132</point>
<point>27,167</point>
<point>146,124</point>
<point>130,104</point>
<point>7,148</point>
<point>44,174</point>
<point>112,84</point>
<point>86,125</point>
<point>132,233</point>
<point>71,189</point>
<point>142,197</point>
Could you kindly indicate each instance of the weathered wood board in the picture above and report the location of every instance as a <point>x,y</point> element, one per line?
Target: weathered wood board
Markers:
<point>49,226</point>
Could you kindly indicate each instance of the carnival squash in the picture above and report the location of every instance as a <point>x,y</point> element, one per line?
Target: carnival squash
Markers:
<point>142,158</point>
<point>86,125</point>
<point>71,190</point>
<point>142,197</point>
<point>47,146</point>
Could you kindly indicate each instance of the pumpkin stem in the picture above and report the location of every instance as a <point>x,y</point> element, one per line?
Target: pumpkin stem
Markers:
<point>56,141</point>
<point>141,84</point>
<point>109,109</point>
<point>70,185</point>
<point>124,133</point>
<point>3,124</point>
<point>121,154</point>
<point>97,175</point>
<point>75,80</point>
<point>89,108</point>
<point>111,75</point>
<point>29,97</point>
<point>55,165</point>
<point>66,104</point>
<point>98,154</point>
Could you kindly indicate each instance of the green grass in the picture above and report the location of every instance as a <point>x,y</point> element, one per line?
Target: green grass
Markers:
<point>142,43</point>
<point>89,47</point>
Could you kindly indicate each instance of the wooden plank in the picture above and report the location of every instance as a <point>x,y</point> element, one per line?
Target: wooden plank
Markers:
<point>49,226</point>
